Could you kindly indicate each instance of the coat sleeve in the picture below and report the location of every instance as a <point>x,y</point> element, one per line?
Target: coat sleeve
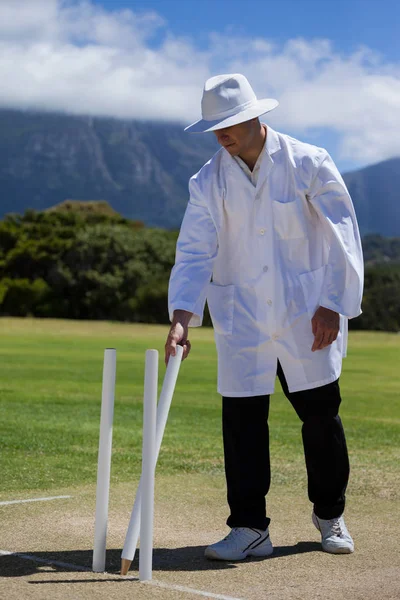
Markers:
<point>343,283</point>
<point>196,250</point>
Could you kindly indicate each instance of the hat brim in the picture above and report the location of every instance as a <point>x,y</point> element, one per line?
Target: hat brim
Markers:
<point>260,108</point>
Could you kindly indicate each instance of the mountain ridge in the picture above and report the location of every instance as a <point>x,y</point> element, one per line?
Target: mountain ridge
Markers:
<point>141,168</point>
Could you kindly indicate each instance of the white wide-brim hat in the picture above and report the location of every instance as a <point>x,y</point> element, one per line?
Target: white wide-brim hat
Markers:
<point>229,100</point>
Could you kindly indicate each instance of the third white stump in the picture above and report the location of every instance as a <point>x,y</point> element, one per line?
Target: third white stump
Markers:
<point>163,407</point>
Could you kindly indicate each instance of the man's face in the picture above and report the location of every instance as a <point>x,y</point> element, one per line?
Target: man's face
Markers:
<point>236,139</point>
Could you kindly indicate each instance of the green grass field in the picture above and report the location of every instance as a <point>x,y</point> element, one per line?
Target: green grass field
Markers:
<point>50,389</point>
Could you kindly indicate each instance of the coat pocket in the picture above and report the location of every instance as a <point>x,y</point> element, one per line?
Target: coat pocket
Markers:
<point>289,221</point>
<point>312,283</point>
<point>220,299</point>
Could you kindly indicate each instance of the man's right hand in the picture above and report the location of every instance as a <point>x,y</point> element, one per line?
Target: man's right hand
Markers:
<point>178,334</point>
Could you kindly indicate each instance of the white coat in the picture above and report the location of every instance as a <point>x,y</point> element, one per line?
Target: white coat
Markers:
<point>274,252</point>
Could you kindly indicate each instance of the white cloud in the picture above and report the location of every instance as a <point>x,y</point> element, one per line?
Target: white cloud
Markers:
<point>77,57</point>
<point>28,20</point>
<point>357,96</point>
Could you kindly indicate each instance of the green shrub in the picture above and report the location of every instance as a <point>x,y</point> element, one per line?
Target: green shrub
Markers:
<point>22,298</point>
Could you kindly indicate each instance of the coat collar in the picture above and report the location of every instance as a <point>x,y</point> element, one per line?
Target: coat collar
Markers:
<point>271,147</point>
<point>273,144</point>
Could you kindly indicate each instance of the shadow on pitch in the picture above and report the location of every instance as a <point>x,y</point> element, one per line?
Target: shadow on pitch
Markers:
<point>190,558</point>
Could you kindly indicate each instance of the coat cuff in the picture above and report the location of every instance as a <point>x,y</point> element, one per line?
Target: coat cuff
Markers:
<point>195,321</point>
<point>325,303</point>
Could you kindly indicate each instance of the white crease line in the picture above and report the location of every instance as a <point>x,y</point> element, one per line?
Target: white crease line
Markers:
<point>46,561</point>
<point>183,588</point>
<point>167,586</point>
<point>34,500</point>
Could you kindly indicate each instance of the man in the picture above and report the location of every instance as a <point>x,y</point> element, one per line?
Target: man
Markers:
<point>270,239</point>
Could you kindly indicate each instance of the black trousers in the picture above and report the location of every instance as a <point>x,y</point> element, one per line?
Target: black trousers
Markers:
<point>246,449</point>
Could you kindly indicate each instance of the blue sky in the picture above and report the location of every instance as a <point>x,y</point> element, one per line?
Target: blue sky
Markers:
<point>348,23</point>
<point>334,66</point>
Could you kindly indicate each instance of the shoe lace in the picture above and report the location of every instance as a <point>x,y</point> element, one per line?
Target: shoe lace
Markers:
<point>336,527</point>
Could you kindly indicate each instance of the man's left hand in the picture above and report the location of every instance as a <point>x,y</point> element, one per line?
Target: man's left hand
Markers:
<point>325,327</point>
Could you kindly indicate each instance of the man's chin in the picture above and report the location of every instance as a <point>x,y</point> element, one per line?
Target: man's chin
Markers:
<point>233,151</point>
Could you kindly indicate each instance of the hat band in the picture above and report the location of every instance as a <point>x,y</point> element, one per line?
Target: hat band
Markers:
<point>231,111</point>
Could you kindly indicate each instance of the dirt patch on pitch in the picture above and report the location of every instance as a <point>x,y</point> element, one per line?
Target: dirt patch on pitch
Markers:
<point>190,513</point>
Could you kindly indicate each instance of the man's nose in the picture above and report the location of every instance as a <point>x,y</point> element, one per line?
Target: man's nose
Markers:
<point>222,137</point>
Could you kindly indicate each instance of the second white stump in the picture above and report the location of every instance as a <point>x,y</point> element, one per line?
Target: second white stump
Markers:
<point>148,465</point>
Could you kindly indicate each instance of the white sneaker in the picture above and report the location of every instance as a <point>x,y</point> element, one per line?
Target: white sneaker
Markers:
<point>335,537</point>
<point>239,543</point>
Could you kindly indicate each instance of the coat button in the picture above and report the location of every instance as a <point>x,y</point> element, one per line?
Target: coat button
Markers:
<point>269,302</point>
<point>275,337</point>
<point>262,231</point>
<point>265,269</point>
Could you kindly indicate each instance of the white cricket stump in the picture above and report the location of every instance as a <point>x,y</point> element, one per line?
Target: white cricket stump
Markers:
<point>163,407</point>
<point>104,460</point>
<point>148,465</point>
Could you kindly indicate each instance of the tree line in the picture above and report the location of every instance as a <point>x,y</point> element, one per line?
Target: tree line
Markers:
<point>95,264</point>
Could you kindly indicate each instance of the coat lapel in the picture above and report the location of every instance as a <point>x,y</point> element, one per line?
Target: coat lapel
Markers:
<point>272,146</point>
<point>236,171</point>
